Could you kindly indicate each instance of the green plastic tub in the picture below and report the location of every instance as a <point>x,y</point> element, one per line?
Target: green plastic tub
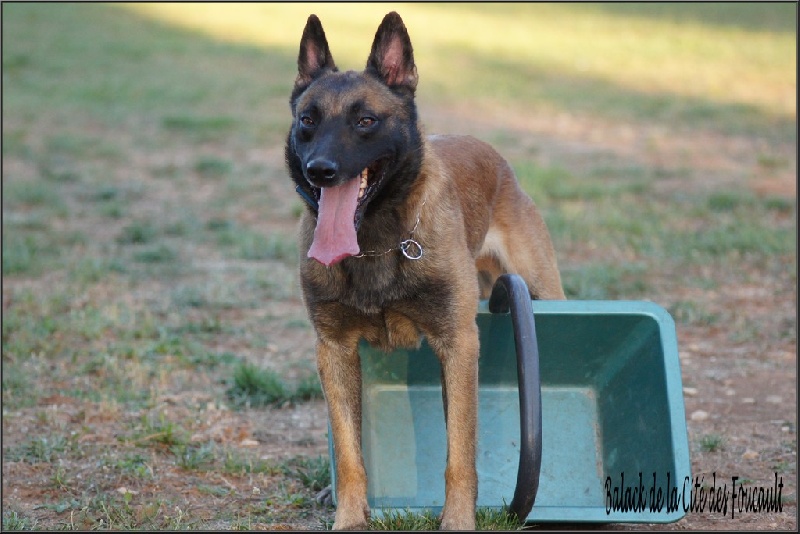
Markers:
<point>611,408</point>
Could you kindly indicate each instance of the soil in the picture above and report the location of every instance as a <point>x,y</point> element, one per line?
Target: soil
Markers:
<point>744,392</point>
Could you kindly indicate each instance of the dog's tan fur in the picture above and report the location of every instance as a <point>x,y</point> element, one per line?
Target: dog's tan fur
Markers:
<point>474,223</point>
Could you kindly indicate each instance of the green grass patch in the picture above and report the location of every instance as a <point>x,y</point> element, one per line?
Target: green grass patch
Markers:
<point>13,520</point>
<point>256,246</point>
<point>213,167</point>
<point>254,386</point>
<point>726,239</point>
<point>404,520</point>
<point>118,512</point>
<point>45,449</point>
<point>238,463</point>
<point>252,245</point>
<point>313,473</point>
<point>485,519</point>
<point>729,200</point>
<point>32,194</point>
<point>135,465</point>
<point>604,281</point>
<point>554,184</point>
<point>138,233</point>
<point>27,254</point>
<point>200,129</point>
<point>92,269</point>
<point>18,391</point>
<point>308,388</point>
<point>694,313</point>
<point>193,456</point>
<point>30,325</point>
<point>158,431</point>
<point>712,442</point>
<point>158,254</point>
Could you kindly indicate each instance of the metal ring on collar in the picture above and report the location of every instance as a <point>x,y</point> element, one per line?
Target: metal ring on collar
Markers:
<point>411,249</point>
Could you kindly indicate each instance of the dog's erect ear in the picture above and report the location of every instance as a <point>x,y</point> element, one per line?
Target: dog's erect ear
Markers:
<point>315,56</point>
<point>392,58</point>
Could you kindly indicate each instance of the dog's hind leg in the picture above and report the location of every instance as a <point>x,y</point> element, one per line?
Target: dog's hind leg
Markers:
<point>518,242</point>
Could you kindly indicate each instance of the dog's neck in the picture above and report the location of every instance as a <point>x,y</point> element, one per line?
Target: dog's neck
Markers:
<point>409,247</point>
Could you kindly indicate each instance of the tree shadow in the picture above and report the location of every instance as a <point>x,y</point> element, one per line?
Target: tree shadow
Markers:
<point>751,16</point>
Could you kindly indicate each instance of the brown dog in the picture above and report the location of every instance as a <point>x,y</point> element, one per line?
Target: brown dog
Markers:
<point>402,236</point>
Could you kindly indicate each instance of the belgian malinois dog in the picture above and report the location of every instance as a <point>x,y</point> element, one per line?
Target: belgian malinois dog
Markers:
<point>402,235</point>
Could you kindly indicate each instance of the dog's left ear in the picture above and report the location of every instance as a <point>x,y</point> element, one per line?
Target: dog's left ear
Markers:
<point>392,58</point>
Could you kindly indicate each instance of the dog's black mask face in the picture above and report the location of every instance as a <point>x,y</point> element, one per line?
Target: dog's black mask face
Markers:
<point>355,132</point>
<point>343,131</point>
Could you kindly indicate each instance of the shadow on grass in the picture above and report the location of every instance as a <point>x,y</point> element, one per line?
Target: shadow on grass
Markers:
<point>135,64</point>
<point>751,16</point>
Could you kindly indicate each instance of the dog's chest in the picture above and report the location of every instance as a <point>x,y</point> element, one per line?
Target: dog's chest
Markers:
<point>368,285</point>
<point>371,286</point>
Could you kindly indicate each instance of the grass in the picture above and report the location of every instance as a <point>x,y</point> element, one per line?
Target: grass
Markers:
<point>251,245</point>
<point>43,449</point>
<point>12,520</point>
<point>254,386</point>
<point>152,317</point>
<point>313,473</point>
<point>603,38</point>
<point>212,167</point>
<point>712,442</point>
<point>135,465</point>
<point>193,457</point>
<point>485,519</point>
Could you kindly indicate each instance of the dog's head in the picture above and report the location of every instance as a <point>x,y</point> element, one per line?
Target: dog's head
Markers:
<point>354,146</point>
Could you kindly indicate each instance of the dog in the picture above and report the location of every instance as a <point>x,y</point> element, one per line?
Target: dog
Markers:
<point>402,235</point>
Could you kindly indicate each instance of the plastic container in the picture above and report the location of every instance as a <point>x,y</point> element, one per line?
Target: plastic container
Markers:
<point>609,384</point>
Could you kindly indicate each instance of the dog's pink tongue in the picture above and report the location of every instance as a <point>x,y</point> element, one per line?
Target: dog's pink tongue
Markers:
<point>335,234</point>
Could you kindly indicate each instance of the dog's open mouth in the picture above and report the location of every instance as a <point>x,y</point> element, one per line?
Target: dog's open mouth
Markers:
<point>340,212</point>
<point>370,180</point>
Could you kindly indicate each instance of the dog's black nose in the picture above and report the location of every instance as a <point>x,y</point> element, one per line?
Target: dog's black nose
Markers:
<point>321,170</point>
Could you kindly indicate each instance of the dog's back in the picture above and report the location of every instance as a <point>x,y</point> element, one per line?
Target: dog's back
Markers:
<point>503,228</point>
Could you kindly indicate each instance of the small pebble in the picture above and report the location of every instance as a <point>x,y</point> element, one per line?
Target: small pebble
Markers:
<point>748,400</point>
<point>774,399</point>
<point>699,415</point>
<point>690,391</point>
<point>249,443</point>
<point>750,455</point>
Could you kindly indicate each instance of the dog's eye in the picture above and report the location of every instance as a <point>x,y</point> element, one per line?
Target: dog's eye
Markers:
<point>305,120</point>
<point>366,122</point>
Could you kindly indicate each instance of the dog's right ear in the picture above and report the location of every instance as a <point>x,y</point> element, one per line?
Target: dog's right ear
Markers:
<point>315,56</point>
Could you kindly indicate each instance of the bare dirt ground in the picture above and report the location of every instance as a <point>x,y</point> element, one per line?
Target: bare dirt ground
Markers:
<point>742,391</point>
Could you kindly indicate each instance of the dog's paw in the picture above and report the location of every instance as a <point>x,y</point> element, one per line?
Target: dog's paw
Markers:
<point>458,518</point>
<point>348,523</point>
<point>458,523</point>
<point>353,516</point>
<point>325,497</point>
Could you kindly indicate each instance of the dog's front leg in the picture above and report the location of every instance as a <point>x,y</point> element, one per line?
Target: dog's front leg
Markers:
<point>459,357</point>
<point>340,373</point>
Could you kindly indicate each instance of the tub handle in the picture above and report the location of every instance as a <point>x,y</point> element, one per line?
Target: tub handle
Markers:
<point>510,293</point>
